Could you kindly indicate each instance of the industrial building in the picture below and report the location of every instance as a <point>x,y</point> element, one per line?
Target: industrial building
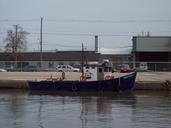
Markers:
<point>49,59</point>
<point>153,50</point>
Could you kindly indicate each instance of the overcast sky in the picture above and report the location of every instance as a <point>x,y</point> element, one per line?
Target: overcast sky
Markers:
<point>69,23</point>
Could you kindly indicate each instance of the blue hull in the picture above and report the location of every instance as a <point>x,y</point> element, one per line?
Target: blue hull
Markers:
<point>122,83</point>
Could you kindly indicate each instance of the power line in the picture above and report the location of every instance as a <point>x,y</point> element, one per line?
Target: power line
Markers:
<point>79,34</point>
<point>22,20</point>
<point>89,34</point>
<point>60,45</point>
<point>90,20</point>
<point>109,21</point>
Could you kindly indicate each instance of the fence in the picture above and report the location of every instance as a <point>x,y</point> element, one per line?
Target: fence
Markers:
<point>50,66</point>
<point>33,65</point>
<point>146,66</point>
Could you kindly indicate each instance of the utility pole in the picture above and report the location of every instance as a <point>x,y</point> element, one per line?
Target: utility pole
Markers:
<point>16,38</point>
<point>16,44</point>
<point>41,55</point>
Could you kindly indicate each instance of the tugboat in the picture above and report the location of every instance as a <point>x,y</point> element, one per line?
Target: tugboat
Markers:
<point>95,77</point>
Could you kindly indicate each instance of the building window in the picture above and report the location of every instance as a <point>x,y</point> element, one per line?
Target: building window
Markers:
<point>51,64</point>
<point>61,63</point>
<point>71,63</point>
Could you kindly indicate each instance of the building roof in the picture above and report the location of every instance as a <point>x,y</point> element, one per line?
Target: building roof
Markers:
<point>151,36</point>
<point>152,44</point>
<point>51,56</point>
<point>116,51</point>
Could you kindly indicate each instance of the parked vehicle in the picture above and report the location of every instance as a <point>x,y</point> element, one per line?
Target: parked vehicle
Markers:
<point>125,68</point>
<point>114,69</point>
<point>9,68</point>
<point>2,70</point>
<point>30,68</point>
<point>66,68</point>
<point>143,66</point>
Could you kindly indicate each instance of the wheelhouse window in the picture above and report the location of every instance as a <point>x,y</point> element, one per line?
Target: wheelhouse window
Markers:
<point>87,67</point>
<point>106,69</point>
<point>100,70</point>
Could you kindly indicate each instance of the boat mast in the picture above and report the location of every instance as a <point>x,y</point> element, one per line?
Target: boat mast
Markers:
<point>82,59</point>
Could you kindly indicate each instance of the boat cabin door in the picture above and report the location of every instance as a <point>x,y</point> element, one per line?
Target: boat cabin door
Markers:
<point>100,74</point>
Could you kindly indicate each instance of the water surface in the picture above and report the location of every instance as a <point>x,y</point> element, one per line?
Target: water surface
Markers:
<point>24,109</point>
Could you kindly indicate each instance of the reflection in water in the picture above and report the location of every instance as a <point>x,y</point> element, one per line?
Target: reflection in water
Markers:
<point>153,109</point>
<point>24,109</point>
<point>12,105</point>
<point>95,107</point>
<point>40,121</point>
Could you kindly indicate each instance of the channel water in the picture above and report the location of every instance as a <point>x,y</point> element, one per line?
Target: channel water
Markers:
<point>137,109</point>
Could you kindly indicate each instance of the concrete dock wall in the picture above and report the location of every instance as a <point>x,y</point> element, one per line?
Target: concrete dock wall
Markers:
<point>144,80</point>
<point>14,84</point>
<point>152,85</point>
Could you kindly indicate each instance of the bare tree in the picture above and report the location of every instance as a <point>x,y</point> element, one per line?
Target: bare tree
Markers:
<point>16,40</point>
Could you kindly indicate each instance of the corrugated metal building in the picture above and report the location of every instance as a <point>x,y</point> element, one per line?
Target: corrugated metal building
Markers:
<point>50,59</point>
<point>153,49</point>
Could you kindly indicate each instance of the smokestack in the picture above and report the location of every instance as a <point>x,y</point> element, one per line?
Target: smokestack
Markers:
<point>96,43</point>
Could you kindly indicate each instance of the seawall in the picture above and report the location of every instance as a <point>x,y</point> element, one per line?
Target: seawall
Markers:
<point>152,85</point>
<point>144,80</point>
<point>14,84</point>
